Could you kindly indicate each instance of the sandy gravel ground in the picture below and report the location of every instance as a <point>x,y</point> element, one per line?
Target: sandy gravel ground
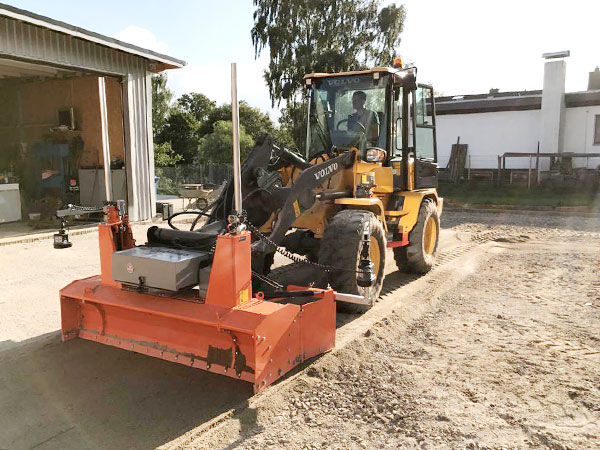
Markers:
<point>507,357</point>
<point>32,275</point>
<point>498,347</point>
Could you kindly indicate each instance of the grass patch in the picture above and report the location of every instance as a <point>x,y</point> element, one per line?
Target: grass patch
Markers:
<point>487,194</point>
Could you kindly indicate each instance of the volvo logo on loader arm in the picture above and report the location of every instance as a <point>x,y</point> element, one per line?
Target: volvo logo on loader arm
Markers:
<point>326,171</point>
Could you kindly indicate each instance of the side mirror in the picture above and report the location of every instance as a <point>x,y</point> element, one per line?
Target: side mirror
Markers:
<point>410,82</point>
<point>286,90</point>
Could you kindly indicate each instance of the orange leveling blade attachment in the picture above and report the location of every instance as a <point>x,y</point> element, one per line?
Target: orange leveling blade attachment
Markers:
<point>230,332</point>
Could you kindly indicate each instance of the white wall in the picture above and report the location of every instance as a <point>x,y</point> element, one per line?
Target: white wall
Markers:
<point>579,134</point>
<point>489,135</point>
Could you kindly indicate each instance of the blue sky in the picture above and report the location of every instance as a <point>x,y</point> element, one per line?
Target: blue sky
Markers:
<point>460,46</point>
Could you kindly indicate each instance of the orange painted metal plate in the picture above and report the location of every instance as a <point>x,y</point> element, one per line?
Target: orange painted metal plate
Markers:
<point>229,332</point>
<point>258,342</point>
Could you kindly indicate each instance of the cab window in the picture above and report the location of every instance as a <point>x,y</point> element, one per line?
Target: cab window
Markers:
<point>424,125</point>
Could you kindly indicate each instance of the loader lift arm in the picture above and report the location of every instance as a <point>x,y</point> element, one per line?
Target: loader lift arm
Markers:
<point>264,193</point>
<point>301,195</point>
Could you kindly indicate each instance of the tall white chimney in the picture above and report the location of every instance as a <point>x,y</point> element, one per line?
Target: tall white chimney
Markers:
<point>553,102</point>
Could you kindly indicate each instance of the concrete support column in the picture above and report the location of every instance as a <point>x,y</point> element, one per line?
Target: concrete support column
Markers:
<point>553,107</point>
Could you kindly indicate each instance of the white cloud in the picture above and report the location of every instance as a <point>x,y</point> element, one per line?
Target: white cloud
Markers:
<point>142,38</point>
<point>214,81</point>
<point>468,46</point>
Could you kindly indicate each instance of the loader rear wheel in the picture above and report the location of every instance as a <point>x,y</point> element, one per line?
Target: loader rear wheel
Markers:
<point>419,256</point>
<point>340,248</point>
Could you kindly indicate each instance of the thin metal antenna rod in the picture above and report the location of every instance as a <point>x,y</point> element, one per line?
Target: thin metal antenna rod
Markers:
<point>235,119</point>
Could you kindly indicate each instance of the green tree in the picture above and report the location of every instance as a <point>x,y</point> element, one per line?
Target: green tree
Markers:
<point>391,24</point>
<point>292,125</point>
<point>181,132</point>
<point>217,146</point>
<point>254,121</point>
<point>198,105</point>
<point>283,136</point>
<point>161,102</point>
<point>306,36</point>
<point>164,156</point>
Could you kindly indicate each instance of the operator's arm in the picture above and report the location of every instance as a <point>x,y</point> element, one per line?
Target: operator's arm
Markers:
<point>373,127</point>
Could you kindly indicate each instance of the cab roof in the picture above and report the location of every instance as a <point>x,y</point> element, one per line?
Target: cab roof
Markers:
<point>354,72</point>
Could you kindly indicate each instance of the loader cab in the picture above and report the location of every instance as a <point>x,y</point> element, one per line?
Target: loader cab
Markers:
<point>413,153</point>
<point>388,97</point>
<point>348,110</point>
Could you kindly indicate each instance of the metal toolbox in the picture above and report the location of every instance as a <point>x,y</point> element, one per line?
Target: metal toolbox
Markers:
<point>158,267</point>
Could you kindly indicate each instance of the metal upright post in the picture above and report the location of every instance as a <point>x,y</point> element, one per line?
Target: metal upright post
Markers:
<point>499,170</point>
<point>529,174</point>
<point>307,151</point>
<point>537,165</point>
<point>105,138</point>
<point>235,119</point>
<point>469,169</point>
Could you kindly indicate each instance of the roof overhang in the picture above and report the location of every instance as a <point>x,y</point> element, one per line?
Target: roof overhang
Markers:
<point>355,72</point>
<point>407,77</point>
<point>163,61</point>
<point>584,98</point>
<point>488,105</point>
<point>524,101</point>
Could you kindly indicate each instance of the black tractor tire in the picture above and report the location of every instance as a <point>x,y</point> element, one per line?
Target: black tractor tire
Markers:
<point>418,256</point>
<point>340,248</point>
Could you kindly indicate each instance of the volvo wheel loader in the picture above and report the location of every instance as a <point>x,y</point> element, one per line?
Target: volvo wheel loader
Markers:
<point>204,297</point>
<point>369,174</point>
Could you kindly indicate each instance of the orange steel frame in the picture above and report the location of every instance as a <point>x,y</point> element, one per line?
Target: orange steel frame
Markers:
<point>230,332</point>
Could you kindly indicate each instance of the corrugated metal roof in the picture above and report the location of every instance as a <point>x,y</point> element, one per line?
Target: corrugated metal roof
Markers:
<point>168,62</point>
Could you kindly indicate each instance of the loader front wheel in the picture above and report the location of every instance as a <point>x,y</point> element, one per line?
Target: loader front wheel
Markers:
<point>419,255</point>
<point>340,248</point>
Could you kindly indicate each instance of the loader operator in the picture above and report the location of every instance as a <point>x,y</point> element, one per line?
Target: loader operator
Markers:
<point>364,119</point>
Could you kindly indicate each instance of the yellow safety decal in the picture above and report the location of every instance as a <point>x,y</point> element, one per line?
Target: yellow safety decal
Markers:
<point>244,296</point>
<point>296,208</point>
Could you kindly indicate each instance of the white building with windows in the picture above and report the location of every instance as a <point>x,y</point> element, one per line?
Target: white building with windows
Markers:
<point>499,122</point>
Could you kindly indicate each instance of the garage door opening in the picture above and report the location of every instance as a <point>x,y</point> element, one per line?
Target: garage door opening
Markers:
<point>52,141</point>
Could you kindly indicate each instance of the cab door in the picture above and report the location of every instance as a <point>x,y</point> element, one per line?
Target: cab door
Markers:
<point>425,145</point>
<point>400,97</point>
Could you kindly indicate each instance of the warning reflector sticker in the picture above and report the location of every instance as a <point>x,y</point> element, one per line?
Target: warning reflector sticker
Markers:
<point>244,296</point>
<point>296,208</point>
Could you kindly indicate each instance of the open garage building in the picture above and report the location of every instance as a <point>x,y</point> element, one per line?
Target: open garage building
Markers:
<point>75,122</point>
